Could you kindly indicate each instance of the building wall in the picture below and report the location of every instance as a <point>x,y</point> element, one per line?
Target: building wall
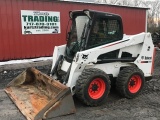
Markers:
<point>14,45</point>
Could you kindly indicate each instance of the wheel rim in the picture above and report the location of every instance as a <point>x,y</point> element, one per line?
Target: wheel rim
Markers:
<point>134,83</point>
<point>96,88</point>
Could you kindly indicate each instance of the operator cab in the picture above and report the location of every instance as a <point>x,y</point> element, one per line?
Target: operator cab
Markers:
<point>90,29</point>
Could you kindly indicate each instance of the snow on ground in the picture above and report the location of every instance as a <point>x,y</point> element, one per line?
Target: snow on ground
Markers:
<point>25,60</point>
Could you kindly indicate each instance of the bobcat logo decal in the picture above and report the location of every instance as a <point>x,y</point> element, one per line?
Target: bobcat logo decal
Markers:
<point>84,56</point>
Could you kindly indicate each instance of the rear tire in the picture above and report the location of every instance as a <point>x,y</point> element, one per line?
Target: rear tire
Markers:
<point>93,87</point>
<point>130,82</point>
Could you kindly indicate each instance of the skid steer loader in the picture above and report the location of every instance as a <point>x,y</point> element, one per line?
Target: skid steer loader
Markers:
<point>96,52</point>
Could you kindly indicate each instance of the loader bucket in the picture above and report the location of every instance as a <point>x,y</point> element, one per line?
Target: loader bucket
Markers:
<point>39,97</point>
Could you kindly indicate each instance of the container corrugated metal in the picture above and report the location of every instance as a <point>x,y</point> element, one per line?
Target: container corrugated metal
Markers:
<point>14,45</point>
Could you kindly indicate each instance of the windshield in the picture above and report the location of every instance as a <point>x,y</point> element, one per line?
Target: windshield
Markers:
<point>76,35</point>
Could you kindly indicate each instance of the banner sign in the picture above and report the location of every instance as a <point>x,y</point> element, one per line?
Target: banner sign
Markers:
<point>40,22</point>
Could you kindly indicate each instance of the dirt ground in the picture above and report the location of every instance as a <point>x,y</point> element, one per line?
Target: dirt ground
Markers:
<point>146,106</point>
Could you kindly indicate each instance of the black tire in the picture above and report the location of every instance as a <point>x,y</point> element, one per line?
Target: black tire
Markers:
<point>93,87</point>
<point>130,82</point>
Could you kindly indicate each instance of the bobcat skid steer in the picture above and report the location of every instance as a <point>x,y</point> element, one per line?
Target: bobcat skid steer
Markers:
<point>96,53</point>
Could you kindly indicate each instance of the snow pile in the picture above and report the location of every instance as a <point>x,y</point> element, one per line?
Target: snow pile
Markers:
<point>25,60</point>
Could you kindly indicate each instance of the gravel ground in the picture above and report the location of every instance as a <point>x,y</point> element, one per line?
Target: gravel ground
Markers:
<point>146,106</point>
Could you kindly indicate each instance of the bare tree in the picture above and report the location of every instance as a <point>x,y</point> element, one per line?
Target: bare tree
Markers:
<point>153,12</point>
<point>108,1</point>
<point>116,2</point>
<point>113,1</point>
<point>137,3</point>
<point>153,15</point>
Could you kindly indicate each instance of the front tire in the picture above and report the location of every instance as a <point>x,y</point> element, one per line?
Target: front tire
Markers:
<point>93,87</point>
<point>130,82</point>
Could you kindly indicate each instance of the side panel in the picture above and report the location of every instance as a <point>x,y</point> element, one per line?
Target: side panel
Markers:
<point>92,54</point>
<point>140,46</point>
<point>146,57</point>
<point>142,42</point>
